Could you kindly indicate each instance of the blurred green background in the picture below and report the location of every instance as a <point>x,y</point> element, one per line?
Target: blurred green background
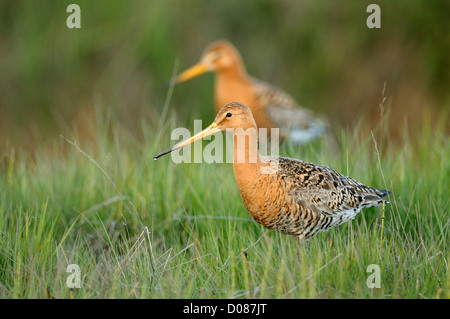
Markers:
<point>321,52</point>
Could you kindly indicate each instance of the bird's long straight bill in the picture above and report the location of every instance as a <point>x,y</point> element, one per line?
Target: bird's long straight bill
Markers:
<point>213,128</point>
<point>192,72</point>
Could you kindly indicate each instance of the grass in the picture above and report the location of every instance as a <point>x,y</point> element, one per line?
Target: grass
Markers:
<point>140,228</point>
<point>84,111</point>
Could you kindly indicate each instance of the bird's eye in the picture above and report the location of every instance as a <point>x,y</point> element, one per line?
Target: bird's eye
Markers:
<point>229,114</point>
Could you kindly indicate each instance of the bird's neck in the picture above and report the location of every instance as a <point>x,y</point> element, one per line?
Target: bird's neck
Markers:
<point>231,85</point>
<point>234,75</point>
<point>246,161</point>
<point>235,69</point>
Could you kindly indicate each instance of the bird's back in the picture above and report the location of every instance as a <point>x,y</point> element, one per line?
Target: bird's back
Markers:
<point>281,110</point>
<point>302,199</point>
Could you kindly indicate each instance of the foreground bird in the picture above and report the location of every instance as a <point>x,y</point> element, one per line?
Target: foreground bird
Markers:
<point>284,194</point>
<point>271,107</point>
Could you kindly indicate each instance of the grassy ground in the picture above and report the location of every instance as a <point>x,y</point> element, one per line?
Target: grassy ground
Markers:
<point>144,229</point>
<point>154,229</point>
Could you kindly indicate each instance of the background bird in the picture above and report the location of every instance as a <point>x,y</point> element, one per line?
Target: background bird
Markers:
<point>284,194</point>
<point>271,107</point>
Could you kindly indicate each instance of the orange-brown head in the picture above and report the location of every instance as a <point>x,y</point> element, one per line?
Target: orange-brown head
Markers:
<point>233,116</point>
<point>219,56</point>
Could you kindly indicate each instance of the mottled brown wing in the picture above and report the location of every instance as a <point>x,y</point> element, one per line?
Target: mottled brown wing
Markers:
<point>297,123</point>
<point>324,190</point>
<point>270,95</point>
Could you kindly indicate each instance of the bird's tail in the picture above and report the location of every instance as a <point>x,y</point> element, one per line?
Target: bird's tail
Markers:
<point>382,193</point>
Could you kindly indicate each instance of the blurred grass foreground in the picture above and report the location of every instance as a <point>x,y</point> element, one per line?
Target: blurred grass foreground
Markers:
<point>82,112</point>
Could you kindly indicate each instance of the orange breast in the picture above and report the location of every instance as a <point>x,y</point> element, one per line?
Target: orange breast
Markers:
<point>262,194</point>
